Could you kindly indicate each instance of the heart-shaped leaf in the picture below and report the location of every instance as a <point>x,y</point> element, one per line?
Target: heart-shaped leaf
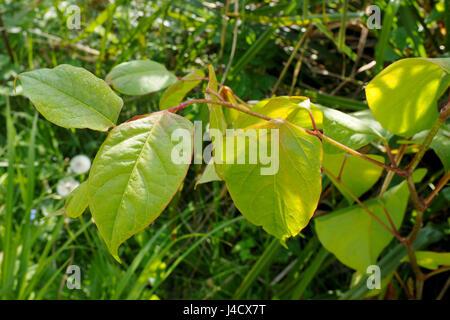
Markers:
<point>354,236</point>
<point>280,195</point>
<point>134,177</point>
<point>72,97</point>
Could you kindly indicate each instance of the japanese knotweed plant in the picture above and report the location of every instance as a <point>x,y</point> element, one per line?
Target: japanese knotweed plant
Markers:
<point>133,177</point>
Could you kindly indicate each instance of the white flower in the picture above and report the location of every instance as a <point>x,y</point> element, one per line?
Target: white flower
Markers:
<point>80,164</point>
<point>66,185</point>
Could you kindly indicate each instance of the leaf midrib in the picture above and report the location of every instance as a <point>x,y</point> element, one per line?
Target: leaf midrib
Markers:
<point>132,172</point>
<point>73,98</point>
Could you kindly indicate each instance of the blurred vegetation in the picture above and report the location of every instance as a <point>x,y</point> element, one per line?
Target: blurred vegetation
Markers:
<point>200,247</point>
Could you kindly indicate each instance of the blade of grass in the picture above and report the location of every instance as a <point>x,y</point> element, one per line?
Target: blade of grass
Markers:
<point>261,264</point>
<point>9,256</point>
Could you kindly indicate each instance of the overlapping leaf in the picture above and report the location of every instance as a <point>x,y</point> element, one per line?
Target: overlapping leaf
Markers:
<point>355,173</point>
<point>72,97</point>
<point>140,77</point>
<point>357,239</point>
<point>77,201</point>
<point>281,200</point>
<point>133,176</point>
<point>403,97</point>
<point>177,91</point>
<point>346,129</point>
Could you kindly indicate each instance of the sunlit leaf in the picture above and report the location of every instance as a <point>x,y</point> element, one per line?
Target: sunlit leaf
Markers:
<point>72,97</point>
<point>133,176</point>
<point>403,97</point>
<point>281,197</point>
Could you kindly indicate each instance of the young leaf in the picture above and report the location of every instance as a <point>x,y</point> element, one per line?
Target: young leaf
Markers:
<point>283,198</point>
<point>357,174</point>
<point>288,108</point>
<point>134,177</point>
<point>216,115</point>
<point>177,91</point>
<point>209,174</point>
<point>140,77</point>
<point>72,97</point>
<point>77,201</point>
<point>345,129</point>
<point>403,97</point>
<point>357,239</point>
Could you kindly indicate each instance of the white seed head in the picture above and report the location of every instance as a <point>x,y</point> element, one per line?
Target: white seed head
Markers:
<point>80,164</point>
<point>66,185</point>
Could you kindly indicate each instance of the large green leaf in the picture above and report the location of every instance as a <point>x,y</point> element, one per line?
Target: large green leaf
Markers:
<point>140,77</point>
<point>288,108</point>
<point>403,97</point>
<point>357,174</point>
<point>346,129</point>
<point>77,201</point>
<point>177,91</point>
<point>72,97</point>
<point>281,200</point>
<point>133,176</point>
<point>355,237</point>
<point>440,144</point>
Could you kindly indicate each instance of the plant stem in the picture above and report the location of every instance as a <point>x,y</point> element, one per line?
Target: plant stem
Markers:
<point>438,188</point>
<point>222,103</point>
<point>317,133</point>
<point>400,172</point>
<point>364,206</point>
<point>443,115</point>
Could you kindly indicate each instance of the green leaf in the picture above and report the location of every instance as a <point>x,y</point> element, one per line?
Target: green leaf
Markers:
<point>346,129</point>
<point>283,198</point>
<point>77,201</point>
<point>133,176</point>
<point>72,97</point>
<point>209,174</point>
<point>440,144</point>
<point>367,118</point>
<point>175,94</point>
<point>403,97</point>
<point>292,109</point>
<point>357,174</point>
<point>432,260</point>
<point>354,237</point>
<point>140,77</point>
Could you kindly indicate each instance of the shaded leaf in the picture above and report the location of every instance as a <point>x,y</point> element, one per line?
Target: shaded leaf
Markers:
<point>77,201</point>
<point>357,174</point>
<point>140,77</point>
